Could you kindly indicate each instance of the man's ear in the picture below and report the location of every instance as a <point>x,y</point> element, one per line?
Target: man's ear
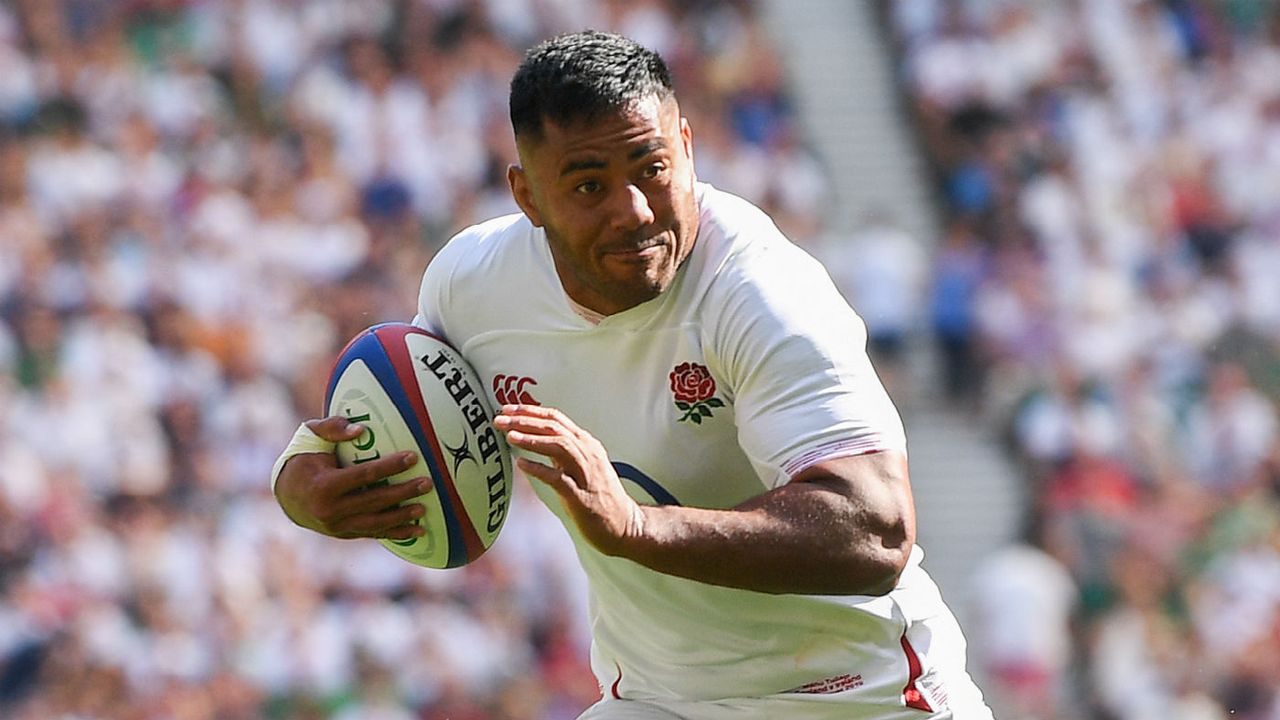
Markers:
<point>686,138</point>
<point>523,194</point>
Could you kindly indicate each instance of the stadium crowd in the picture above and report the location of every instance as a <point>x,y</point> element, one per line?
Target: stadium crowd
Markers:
<point>1106,292</point>
<point>199,203</point>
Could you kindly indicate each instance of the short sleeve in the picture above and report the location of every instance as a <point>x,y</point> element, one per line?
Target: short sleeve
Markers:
<point>454,296</point>
<point>432,298</point>
<point>434,295</point>
<point>794,354</point>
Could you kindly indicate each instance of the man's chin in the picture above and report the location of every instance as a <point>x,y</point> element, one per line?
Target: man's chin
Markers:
<point>635,291</point>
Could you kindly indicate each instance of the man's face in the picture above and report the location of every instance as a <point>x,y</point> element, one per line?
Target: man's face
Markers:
<point>616,199</point>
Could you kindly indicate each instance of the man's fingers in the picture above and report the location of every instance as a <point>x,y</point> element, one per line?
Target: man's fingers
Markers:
<point>373,499</point>
<point>381,524</point>
<point>546,473</point>
<point>544,413</point>
<point>556,447</point>
<point>403,532</point>
<point>530,424</point>
<point>368,473</point>
<point>335,428</point>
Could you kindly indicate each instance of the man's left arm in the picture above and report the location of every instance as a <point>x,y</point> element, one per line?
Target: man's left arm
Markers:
<point>843,526</point>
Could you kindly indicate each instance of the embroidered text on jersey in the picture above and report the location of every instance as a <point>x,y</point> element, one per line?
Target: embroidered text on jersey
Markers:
<point>830,686</point>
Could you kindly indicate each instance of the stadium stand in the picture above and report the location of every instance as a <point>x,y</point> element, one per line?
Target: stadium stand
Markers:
<point>187,186</point>
<point>1106,295</point>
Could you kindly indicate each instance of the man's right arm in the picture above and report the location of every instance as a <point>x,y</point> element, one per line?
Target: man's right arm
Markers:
<point>353,502</point>
<point>348,502</point>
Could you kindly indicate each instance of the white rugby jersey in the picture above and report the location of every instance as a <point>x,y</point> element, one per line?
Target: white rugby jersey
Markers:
<point>748,369</point>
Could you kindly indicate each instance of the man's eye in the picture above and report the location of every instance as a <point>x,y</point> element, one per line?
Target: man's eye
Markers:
<point>654,170</point>
<point>586,188</point>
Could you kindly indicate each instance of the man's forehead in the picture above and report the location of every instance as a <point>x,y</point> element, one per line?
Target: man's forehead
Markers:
<point>651,112</point>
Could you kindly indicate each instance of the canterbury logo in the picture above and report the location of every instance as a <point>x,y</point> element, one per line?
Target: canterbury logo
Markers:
<point>511,390</point>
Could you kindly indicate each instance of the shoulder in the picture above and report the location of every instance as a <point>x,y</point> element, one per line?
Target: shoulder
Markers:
<point>750,261</point>
<point>480,247</point>
<point>473,271</point>
<point>760,293</point>
<point>731,221</point>
<point>790,349</point>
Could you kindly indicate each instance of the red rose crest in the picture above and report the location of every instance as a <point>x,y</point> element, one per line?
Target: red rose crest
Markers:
<point>694,390</point>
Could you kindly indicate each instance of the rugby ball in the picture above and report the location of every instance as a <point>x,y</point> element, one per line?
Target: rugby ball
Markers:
<point>412,391</point>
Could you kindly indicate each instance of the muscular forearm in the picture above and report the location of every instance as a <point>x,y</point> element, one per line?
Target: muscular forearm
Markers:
<point>843,526</point>
<point>805,538</point>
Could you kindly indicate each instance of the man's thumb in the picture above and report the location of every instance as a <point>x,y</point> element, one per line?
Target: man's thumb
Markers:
<point>335,428</point>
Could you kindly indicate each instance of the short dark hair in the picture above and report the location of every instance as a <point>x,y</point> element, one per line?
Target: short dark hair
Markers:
<point>581,76</point>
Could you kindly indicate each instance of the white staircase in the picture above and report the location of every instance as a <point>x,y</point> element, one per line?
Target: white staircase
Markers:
<point>843,79</point>
<point>968,499</point>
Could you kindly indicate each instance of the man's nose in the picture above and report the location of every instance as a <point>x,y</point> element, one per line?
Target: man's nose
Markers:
<point>633,210</point>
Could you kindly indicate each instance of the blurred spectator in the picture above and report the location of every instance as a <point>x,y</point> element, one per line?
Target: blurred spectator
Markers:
<point>881,271</point>
<point>1231,432</point>
<point>957,276</point>
<point>1024,600</point>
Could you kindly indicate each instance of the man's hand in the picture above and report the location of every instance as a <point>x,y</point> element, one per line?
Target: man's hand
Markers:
<point>578,469</point>
<point>843,526</point>
<point>350,502</point>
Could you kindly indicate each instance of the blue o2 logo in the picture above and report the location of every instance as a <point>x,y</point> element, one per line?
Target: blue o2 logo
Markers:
<point>659,494</point>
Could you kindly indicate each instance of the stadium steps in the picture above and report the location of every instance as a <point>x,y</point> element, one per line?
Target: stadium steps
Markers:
<point>843,80</point>
<point>968,499</point>
<point>967,493</point>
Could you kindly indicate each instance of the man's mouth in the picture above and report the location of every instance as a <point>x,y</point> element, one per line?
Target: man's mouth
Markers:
<point>643,250</point>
